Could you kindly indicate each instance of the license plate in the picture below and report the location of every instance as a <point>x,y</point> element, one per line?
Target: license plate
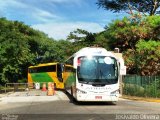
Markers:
<point>98,97</point>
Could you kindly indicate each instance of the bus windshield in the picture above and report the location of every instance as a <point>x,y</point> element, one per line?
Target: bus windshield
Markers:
<point>97,69</point>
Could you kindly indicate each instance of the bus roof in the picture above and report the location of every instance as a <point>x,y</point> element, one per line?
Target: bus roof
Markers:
<point>44,64</point>
<point>93,51</point>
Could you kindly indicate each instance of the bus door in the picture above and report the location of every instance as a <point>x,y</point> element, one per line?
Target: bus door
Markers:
<point>60,72</point>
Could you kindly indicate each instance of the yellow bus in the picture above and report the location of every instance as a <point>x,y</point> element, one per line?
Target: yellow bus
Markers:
<point>44,73</point>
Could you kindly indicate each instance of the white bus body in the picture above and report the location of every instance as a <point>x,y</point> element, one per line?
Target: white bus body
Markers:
<point>93,74</point>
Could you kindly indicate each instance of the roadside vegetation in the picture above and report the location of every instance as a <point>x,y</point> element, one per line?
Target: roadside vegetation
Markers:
<point>137,36</point>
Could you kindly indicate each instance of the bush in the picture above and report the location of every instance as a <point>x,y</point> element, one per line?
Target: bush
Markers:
<point>22,81</point>
<point>148,90</point>
<point>133,90</point>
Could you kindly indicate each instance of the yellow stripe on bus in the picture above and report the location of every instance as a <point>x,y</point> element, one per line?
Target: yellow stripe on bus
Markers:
<point>59,84</point>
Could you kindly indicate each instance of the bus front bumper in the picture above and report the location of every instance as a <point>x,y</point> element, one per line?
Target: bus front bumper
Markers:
<point>98,98</point>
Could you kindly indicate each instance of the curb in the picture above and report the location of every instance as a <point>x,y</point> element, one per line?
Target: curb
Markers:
<point>141,99</point>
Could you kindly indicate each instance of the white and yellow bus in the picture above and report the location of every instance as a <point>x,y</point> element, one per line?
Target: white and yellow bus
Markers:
<point>93,74</point>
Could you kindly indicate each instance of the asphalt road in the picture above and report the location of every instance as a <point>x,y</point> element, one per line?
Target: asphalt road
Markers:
<point>60,107</point>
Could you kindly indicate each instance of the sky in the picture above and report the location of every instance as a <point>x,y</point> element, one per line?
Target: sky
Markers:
<point>57,18</point>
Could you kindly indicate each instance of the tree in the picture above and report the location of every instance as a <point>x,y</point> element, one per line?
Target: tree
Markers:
<point>79,39</point>
<point>150,7</point>
<point>144,60</point>
<point>60,50</point>
<point>82,36</point>
<point>20,45</point>
<point>102,41</point>
<point>14,52</point>
<point>126,33</point>
<point>148,57</point>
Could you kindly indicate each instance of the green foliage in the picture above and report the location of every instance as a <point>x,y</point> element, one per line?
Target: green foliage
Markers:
<point>146,86</point>
<point>153,21</point>
<point>145,91</point>
<point>153,25</point>
<point>153,90</point>
<point>13,50</point>
<point>127,33</point>
<point>82,38</point>
<point>133,90</point>
<point>22,80</point>
<point>150,7</point>
<point>64,49</point>
<point>22,46</point>
<point>102,41</point>
<point>130,61</point>
<point>144,60</point>
<point>148,57</point>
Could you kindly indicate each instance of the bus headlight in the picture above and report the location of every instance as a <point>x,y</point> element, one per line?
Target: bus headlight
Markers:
<point>81,91</point>
<point>115,92</point>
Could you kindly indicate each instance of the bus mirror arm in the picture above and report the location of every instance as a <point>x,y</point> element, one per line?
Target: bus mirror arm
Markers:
<point>62,67</point>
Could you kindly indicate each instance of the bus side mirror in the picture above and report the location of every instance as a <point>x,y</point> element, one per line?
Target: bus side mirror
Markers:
<point>123,70</point>
<point>62,67</point>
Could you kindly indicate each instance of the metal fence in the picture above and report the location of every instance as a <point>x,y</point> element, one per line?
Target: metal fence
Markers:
<point>25,89</point>
<point>142,86</point>
<point>15,87</point>
<point>21,87</point>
